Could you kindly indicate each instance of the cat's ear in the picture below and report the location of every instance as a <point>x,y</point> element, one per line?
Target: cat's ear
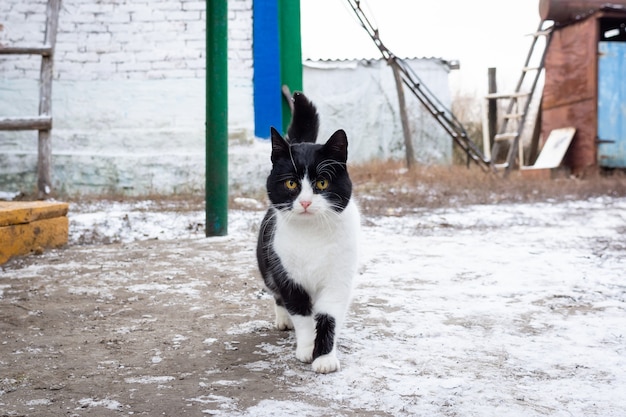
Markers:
<point>337,146</point>
<point>280,147</point>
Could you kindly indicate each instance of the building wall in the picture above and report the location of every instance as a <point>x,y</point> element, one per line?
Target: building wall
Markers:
<point>361,98</point>
<point>128,92</point>
<point>128,99</point>
<point>570,90</point>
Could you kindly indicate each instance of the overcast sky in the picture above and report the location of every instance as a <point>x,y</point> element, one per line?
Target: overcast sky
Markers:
<point>480,34</point>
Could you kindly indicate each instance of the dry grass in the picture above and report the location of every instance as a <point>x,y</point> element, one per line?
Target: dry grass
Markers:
<point>180,202</point>
<point>387,187</point>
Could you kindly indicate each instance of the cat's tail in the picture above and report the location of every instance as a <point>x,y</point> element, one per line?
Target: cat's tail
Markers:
<point>305,122</point>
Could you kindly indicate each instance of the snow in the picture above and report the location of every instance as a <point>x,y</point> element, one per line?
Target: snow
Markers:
<point>149,380</point>
<point>489,310</point>
<point>106,403</point>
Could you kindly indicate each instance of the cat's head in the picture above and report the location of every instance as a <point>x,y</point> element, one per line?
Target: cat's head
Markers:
<point>307,179</point>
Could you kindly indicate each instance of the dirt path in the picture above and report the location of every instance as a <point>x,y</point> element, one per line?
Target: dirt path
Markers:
<point>148,328</point>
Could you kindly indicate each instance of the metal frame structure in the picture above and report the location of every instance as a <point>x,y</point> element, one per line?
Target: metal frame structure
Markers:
<point>441,113</point>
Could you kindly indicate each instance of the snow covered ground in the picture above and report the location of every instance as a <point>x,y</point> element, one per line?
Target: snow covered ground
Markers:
<point>516,310</point>
<point>495,310</point>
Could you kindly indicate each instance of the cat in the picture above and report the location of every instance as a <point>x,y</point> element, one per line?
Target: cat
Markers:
<point>307,246</point>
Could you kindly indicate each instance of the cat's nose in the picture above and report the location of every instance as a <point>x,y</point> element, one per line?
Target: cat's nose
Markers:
<point>305,204</point>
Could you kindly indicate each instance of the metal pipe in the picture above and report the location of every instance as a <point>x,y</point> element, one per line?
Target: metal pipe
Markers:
<point>266,61</point>
<point>216,173</point>
<point>290,51</point>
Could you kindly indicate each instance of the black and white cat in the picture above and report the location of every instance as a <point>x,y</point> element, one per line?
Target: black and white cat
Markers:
<point>307,247</point>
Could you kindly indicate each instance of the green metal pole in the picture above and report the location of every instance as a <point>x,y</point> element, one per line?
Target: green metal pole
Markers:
<point>216,118</point>
<point>290,51</point>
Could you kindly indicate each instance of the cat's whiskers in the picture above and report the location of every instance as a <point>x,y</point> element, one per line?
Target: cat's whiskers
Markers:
<point>272,231</point>
<point>327,167</point>
<point>292,161</point>
<point>326,218</point>
<point>282,208</point>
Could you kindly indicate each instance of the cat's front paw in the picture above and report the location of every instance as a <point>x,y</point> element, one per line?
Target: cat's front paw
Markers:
<point>326,364</point>
<point>305,354</point>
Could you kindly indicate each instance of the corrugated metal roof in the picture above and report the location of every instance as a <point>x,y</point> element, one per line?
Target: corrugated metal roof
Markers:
<point>451,64</point>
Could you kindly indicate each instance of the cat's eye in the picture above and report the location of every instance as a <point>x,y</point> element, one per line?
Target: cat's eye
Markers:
<point>291,185</point>
<point>321,184</point>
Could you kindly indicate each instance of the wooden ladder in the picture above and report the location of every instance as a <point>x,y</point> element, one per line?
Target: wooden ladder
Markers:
<point>517,110</point>
<point>43,121</point>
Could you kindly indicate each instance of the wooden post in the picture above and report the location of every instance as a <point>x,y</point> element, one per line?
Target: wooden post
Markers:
<point>534,141</point>
<point>408,142</point>
<point>44,163</point>
<point>492,106</point>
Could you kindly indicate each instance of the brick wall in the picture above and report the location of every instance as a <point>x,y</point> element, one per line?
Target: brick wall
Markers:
<point>124,39</point>
<point>128,94</point>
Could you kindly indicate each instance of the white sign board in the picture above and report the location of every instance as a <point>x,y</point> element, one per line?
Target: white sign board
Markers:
<point>555,147</point>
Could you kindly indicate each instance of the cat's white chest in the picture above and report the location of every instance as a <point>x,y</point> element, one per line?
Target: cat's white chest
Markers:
<point>321,252</point>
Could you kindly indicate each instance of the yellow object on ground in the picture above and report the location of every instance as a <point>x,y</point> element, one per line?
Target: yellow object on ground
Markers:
<point>31,227</point>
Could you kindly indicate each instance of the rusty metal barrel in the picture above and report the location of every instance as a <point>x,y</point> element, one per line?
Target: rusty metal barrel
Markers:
<point>562,11</point>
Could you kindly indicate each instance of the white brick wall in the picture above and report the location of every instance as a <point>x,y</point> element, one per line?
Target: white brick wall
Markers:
<point>124,39</point>
<point>128,92</point>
